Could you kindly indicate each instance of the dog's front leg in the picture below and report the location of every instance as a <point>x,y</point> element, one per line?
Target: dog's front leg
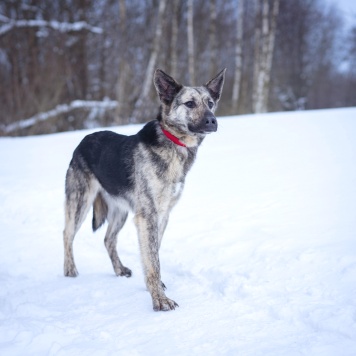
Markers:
<point>148,234</point>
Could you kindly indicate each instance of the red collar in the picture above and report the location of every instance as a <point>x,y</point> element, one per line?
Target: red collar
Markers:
<point>173,138</point>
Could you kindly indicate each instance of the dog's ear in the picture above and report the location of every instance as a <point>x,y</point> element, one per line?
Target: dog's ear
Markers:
<point>167,88</point>
<point>215,85</point>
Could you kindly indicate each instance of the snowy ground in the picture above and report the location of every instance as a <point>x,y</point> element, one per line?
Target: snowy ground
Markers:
<point>260,253</point>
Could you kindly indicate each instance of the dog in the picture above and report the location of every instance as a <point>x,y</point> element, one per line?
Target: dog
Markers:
<point>143,173</point>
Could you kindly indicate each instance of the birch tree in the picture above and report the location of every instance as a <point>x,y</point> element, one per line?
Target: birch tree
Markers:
<point>264,46</point>
<point>142,102</point>
<point>121,110</point>
<point>64,65</point>
<point>213,50</point>
<point>174,39</point>
<point>270,52</point>
<point>256,60</point>
<point>190,35</point>
<point>238,57</point>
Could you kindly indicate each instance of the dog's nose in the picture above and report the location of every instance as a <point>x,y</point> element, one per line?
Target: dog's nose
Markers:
<point>211,124</point>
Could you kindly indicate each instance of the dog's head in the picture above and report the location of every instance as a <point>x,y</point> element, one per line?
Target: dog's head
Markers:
<point>189,110</point>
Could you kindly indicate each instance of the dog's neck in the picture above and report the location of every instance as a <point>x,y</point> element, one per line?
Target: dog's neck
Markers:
<point>173,138</point>
<point>183,139</point>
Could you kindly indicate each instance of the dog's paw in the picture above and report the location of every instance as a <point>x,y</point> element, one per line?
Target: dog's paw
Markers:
<point>70,271</point>
<point>123,272</point>
<point>164,304</point>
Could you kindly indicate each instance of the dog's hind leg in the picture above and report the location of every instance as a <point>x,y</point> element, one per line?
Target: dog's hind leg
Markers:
<point>116,219</point>
<point>80,193</point>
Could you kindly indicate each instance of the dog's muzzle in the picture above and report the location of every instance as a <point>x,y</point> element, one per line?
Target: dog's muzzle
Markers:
<point>206,125</point>
<point>210,122</point>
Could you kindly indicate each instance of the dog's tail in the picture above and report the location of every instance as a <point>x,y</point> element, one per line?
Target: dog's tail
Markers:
<point>100,212</point>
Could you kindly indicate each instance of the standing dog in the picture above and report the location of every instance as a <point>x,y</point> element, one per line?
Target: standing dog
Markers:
<point>143,173</point>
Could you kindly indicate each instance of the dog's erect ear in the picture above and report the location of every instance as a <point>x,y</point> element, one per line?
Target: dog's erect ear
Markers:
<point>167,88</point>
<point>216,84</point>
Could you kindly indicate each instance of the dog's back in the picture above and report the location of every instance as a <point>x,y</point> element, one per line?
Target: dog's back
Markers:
<point>108,156</point>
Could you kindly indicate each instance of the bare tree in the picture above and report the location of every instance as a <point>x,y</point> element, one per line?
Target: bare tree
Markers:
<point>270,52</point>
<point>64,65</point>
<point>264,47</point>
<point>257,50</point>
<point>307,57</point>
<point>213,50</point>
<point>350,98</point>
<point>190,33</point>
<point>174,39</point>
<point>122,110</point>
<point>142,102</point>
<point>238,57</point>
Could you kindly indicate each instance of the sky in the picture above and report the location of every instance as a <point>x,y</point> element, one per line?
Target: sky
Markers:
<point>347,5</point>
<point>348,9</point>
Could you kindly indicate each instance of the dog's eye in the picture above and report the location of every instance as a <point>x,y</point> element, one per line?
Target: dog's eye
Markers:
<point>210,104</point>
<point>190,104</point>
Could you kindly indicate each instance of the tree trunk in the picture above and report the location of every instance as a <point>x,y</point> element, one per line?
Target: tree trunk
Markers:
<point>270,51</point>
<point>121,110</point>
<point>174,38</point>
<point>238,57</point>
<point>139,112</point>
<point>190,33</point>
<point>213,50</point>
<point>256,65</point>
<point>82,56</point>
<point>262,65</point>
<point>264,46</point>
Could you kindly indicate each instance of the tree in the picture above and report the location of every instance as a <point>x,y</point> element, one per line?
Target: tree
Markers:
<point>190,34</point>
<point>307,57</point>
<point>142,108</point>
<point>36,41</point>
<point>67,65</point>
<point>213,46</point>
<point>174,39</point>
<point>122,110</point>
<point>264,48</point>
<point>238,57</point>
<point>350,74</point>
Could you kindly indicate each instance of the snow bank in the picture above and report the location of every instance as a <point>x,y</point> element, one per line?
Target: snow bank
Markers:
<point>260,252</point>
<point>60,109</point>
<point>11,24</point>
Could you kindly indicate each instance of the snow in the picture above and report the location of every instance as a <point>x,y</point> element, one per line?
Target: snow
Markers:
<point>260,252</point>
<point>55,25</point>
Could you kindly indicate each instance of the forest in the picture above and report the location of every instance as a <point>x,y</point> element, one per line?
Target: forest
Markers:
<point>68,65</point>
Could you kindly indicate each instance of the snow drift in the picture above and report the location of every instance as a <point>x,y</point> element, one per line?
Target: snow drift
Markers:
<point>260,253</point>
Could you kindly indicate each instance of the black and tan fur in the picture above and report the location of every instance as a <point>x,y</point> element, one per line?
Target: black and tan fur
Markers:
<point>142,173</point>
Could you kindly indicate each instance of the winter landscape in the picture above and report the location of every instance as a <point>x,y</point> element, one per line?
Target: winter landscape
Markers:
<point>260,252</point>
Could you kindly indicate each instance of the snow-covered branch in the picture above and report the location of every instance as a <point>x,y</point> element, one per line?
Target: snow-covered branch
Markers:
<point>55,25</point>
<point>60,109</point>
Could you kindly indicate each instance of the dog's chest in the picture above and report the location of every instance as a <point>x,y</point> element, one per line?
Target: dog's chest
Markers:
<point>163,176</point>
<point>177,189</point>
<point>172,184</point>
<point>175,168</point>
